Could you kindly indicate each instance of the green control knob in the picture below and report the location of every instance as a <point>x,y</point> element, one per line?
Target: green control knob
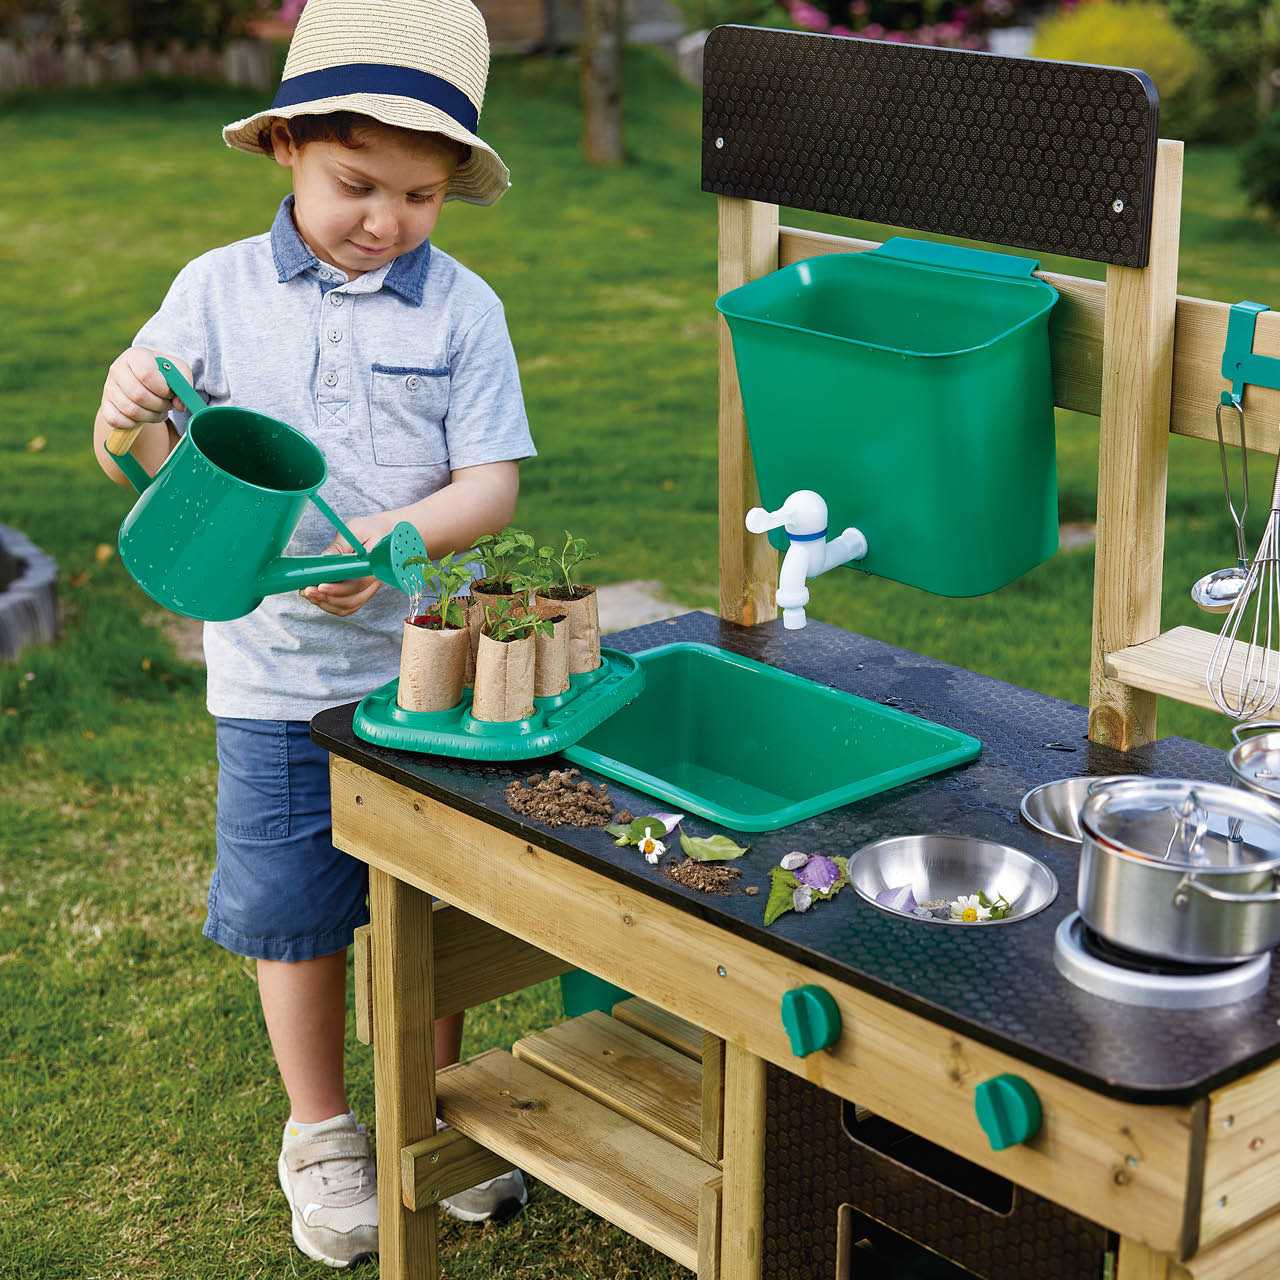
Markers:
<point>1008,1111</point>
<point>811,1019</point>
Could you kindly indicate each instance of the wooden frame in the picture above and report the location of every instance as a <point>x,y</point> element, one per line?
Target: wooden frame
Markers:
<point>1128,349</point>
<point>1190,1182</point>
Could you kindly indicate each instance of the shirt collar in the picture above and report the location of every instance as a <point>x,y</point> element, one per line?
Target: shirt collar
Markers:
<point>405,275</point>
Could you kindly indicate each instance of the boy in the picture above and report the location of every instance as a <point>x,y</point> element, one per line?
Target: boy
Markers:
<point>345,322</point>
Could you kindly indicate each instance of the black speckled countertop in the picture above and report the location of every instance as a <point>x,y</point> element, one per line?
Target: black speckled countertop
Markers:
<point>998,985</point>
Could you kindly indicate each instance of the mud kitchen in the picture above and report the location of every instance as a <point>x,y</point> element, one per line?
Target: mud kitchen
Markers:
<point>857,982</point>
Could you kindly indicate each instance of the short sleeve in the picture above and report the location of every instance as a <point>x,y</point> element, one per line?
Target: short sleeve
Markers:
<point>486,420</point>
<point>178,329</point>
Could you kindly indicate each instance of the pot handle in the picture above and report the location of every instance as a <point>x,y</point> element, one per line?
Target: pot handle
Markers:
<point>1241,731</point>
<point>1182,894</point>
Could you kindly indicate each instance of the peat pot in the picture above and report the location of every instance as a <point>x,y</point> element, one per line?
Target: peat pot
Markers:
<point>1186,871</point>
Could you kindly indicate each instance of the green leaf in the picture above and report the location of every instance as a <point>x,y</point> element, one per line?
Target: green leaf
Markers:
<point>641,827</point>
<point>711,848</point>
<point>616,829</point>
<point>782,884</point>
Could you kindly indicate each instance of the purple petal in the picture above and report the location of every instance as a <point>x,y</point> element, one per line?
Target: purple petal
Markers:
<point>669,820</point>
<point>819,873</point>
<point>899,899</point>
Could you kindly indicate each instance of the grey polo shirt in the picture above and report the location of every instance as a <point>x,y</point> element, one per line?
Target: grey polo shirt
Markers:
<point>399,376</point>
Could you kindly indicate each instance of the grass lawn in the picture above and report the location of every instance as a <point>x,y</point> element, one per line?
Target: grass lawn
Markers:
<point>138,1106</point>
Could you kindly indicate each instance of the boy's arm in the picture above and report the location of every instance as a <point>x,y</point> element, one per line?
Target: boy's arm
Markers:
<point>477,500</point>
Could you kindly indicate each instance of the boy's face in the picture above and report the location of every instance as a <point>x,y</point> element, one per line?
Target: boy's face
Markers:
<point>359,208</point>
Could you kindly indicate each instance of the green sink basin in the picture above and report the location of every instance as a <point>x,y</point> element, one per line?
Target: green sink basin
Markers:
<point>756,748</point>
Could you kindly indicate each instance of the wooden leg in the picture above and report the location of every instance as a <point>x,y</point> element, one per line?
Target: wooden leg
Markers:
<point>743,1213</point>
<point>403,1067</point>
<point>1137,1262</point>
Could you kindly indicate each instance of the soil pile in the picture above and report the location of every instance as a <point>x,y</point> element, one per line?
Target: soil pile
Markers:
<point>561,800</point>
<point>706,877</point>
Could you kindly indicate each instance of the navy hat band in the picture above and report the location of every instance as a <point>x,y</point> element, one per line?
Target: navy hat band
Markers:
<point>376,77</point>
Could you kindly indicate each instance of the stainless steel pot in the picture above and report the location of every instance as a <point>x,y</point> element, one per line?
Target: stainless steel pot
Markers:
<point>1161,875</point>
<point>1255,759</point>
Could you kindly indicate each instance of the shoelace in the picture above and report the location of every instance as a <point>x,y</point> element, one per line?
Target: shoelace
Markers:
<point>342,1176</point>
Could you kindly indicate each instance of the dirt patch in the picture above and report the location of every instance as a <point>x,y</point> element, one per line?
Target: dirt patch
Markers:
<point>561,800</point>
<point>706,877</point>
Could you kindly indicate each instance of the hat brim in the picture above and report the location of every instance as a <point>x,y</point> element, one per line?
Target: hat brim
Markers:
<point>482,179</point>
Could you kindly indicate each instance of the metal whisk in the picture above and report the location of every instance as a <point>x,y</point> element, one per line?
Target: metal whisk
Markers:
<point>1244,671</point>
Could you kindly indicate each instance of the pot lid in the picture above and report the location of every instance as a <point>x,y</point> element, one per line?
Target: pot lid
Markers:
<point>1255,759</point>
<point>1184,824</point>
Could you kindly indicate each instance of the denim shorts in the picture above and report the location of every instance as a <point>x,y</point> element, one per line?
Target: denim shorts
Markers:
<point>280,890</point>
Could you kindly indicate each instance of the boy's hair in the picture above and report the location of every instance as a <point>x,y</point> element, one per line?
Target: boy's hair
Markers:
<point>343,126</point>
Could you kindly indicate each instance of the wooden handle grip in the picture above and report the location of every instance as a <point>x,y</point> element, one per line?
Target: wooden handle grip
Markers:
<point>120,439</point>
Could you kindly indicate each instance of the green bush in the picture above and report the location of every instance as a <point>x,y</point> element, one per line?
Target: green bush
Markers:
<point>702,15</point>
<point>1260,166</point>
<point>1241,39</point>
<point>1143,36</point>
<point>157,23</point>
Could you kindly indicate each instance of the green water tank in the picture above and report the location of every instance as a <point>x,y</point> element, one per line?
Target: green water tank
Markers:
<point>910,386</point>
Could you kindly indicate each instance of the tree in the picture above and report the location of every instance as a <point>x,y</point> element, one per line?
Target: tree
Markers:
<point>602,41</point>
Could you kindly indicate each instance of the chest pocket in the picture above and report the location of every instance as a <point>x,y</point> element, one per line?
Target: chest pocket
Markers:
<point>407,408</point>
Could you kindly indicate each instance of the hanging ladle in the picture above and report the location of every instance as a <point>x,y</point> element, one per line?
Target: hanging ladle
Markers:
<point>1216,592</point>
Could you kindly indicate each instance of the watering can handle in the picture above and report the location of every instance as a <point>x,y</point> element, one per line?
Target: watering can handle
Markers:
<point>120,439</point>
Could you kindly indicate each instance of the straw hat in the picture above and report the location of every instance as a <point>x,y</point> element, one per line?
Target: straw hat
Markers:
<point>419,64</point>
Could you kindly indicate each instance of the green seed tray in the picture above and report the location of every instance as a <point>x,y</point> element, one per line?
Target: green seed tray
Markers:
<point>556,723</point>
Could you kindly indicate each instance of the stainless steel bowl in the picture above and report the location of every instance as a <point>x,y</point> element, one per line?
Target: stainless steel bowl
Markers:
<point>944,867</point>
<point>1054,807</point>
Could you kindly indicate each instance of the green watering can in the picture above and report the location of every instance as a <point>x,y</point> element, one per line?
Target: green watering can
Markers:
<point>206,534</point>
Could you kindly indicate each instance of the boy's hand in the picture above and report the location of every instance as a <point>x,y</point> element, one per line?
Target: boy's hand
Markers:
<point>135,391</point>
<point>342,599</point>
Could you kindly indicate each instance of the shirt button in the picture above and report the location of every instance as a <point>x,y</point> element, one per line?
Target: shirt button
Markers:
<point>412,383</point>
<point>336,299</point>
<point>330,379</point>
<point>335,335</point>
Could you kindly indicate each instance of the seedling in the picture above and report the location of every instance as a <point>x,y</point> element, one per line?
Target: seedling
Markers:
<point>563,564</point>
<point>505,621</point>
<point>445,578</point>
<point>502,555</point>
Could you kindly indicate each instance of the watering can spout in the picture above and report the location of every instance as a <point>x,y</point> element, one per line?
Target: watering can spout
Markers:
<point>385,560</point>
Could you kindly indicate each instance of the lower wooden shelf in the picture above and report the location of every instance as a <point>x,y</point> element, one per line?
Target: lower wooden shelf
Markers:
<point>660,1025</point>
<point>631,1177</point>
<point>629,1072</point>
<point>1173,664</point>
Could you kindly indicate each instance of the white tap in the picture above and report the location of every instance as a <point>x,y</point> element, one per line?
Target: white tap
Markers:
<point>804,517</point>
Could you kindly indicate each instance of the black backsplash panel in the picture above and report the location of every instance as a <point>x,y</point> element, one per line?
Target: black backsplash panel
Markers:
<point>1053,156</point>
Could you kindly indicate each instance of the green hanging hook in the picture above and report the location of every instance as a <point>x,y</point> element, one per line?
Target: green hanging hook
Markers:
<point>1240,364</point>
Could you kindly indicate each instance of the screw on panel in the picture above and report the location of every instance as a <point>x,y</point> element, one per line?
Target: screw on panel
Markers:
<point>1117,205</point>
<point>1228,1121</point>
<point>1222,1202</point>
<point>435,1157</point>
<point>719,144</point>
<point>722,971</point>
<point>1131,1161</point>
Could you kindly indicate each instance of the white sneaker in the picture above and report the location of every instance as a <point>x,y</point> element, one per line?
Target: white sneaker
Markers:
<point>329,1178</point>
<point>496,1200</point>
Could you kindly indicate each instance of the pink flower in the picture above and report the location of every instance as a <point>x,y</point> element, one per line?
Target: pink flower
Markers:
<point>291,10</point>
<point>841,31</point>
<point>873,31</point>
<point>859,8</point>
<point>809,16</point>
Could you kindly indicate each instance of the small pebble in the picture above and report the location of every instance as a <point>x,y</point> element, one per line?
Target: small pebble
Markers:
<point>793,861</point>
